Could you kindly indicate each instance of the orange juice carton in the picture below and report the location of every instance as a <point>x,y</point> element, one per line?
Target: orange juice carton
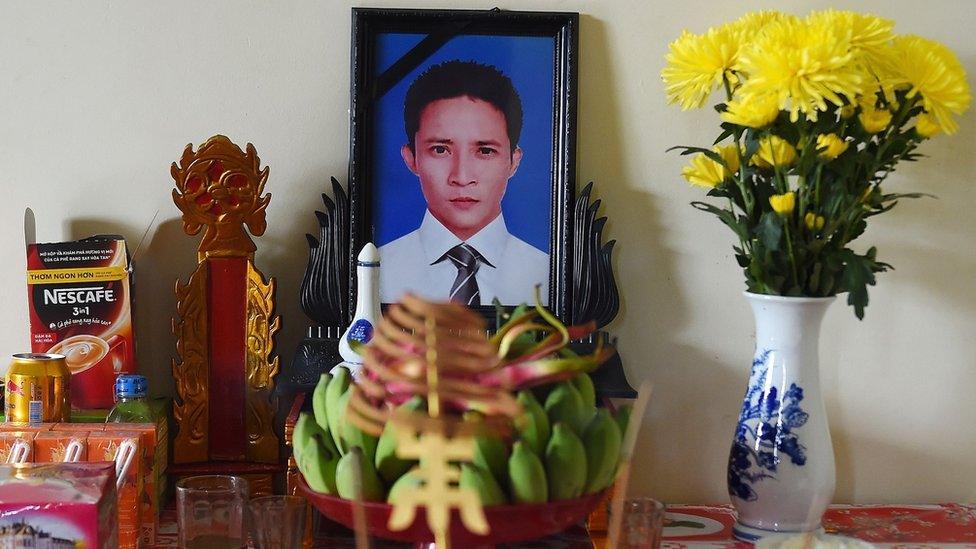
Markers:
<point>58,505</point>
<point>17,447</point>
<point>61,446</point>
<point>124,448</point>
<point>154,475</point>
<point>80,304</point>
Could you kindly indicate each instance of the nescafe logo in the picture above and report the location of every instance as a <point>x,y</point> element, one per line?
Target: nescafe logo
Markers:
<point>72,309</point>
<point>74,296</point>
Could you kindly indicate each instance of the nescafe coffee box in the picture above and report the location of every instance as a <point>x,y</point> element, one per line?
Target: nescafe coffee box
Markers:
<point>80,300</point>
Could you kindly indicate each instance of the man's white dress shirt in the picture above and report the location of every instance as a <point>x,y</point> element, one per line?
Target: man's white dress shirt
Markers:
<point>512,270</point>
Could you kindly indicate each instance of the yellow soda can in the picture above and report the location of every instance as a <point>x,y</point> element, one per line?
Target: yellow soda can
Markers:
<point>37,389</point>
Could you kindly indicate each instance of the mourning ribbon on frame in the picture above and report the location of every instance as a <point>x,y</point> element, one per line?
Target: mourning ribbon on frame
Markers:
<point>413,58</point>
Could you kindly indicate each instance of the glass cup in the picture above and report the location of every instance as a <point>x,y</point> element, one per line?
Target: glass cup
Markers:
<point>278,522</point>
<point>642,524</point>
<point>210,512</point>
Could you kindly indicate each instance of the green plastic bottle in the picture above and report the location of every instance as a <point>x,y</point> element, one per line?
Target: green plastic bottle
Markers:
<point>131,404</point>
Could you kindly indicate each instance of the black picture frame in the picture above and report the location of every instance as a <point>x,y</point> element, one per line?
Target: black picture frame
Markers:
<point>439,26</point>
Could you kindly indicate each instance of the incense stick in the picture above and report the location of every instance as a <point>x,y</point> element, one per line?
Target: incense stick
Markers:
<point>623,475</point>
<point>358,510</point>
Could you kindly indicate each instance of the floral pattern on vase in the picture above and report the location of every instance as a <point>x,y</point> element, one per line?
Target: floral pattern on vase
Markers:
<point>765,432</point>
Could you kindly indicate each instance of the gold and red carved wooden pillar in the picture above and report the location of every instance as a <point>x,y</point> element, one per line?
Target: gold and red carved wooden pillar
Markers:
<point>225,330</point>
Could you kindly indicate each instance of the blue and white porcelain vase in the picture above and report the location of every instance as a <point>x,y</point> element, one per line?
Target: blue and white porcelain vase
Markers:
<point>781,465</point>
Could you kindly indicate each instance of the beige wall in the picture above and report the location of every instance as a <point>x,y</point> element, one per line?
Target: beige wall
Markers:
<point>97,98</point>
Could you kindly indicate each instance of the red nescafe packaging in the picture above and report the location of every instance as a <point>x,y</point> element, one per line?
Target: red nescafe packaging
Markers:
<point>81,307</point>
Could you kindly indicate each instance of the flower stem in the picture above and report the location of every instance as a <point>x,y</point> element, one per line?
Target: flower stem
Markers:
<point>789,248</point>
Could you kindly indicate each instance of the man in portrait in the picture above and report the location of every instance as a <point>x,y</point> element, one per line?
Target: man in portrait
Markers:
<point>463,121</point>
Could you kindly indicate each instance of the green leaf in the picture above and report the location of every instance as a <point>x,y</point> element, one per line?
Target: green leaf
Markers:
<point>770,230</point>
<point>693,150</point>
<point>858,275</point>
<point>719,191</point>
<point>725,216</point>
<point>729,132</point>
<point>814,281</point>
<point>857,229</point>
<point>897,196</point>
<point>752,144</point>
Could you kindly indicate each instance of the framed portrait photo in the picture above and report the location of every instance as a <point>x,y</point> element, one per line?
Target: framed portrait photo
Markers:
<point>463,137</point>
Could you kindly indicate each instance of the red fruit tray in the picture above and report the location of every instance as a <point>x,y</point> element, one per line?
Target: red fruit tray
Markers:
<point>508,523</point>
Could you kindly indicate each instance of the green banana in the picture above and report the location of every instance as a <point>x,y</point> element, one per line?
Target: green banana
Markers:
<point>301,434</point>
<point>388,464</point>
<point>306,428</point>
<point>315,455</point>
<point>584,384</point>
<point>346,475</point>
<point>490,451</point>
<point>480,481</point>
<point>602,442</point>
<point>533,425</point>
<point>528,476</point>
<point>319,403</point>
<point>565,464</point>
<point>623,419</point>
<point>335,414</point>
<point>409,481</point>
<point>318,466</point>
<point>352,436</point>
<point>565,404</point>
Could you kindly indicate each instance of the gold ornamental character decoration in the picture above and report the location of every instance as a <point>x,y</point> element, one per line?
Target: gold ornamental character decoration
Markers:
<point>426,440</point>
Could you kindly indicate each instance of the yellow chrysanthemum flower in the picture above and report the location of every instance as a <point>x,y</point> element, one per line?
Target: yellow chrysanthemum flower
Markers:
<point>929,68</point>
<point>869,35</point>
<point>774,151</point>
<point>697,65</point>
<point>926,126</point>
<point>753,22</point>
<point>783,204</point>
<point>813,221</point>
<point>756,113</point>
<point>830,146</point>
<point>805,66</point>
<point>848,111</point>
<point>873,119</point>
<point>705,172</point>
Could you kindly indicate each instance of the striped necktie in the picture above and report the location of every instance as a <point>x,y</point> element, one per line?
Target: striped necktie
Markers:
<point>465,287</point>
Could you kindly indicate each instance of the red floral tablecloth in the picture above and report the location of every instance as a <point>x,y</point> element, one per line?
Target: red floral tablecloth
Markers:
<point>701,526</point>
<point>902,526</point>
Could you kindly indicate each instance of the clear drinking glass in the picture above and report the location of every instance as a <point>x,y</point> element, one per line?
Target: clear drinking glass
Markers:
<point>642,524</point>
<point>210,512</point>
<point>278,522</point>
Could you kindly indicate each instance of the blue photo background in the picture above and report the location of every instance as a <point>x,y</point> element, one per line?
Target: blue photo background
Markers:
<point>398,203</point>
